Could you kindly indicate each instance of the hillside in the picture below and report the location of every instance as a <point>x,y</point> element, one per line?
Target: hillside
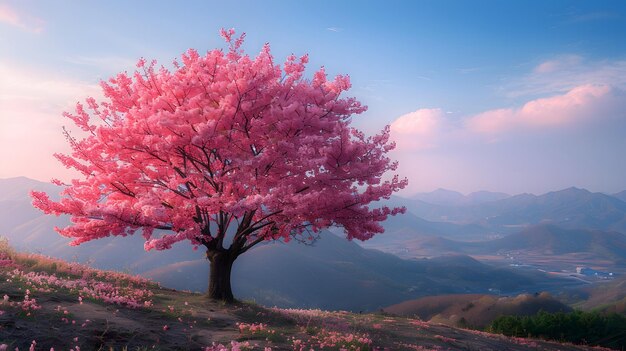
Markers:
<point>474,310</point>
<point>609,296</point>
<point>48,303</point>
<point>339,266</point>
<point>621,195</point>
<point>550,239</point>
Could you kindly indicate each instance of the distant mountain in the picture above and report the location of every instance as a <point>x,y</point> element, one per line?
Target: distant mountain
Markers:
<point>16,209</point>
<point>453,198</point>
<point>570,208</point>
<point>18,188</point>
<point>475,310</point>
<point>440,197</point>
<point>480,197</point>
<point>621,195</point>
<point>407,227</point>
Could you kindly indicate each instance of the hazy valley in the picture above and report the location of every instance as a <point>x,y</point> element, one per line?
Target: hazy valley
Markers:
<point>504,248</point>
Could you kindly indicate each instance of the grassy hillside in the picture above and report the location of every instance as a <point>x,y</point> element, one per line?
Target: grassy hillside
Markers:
<point>609,296</point>
<point>51,303</point>
<point>475,310</point>
<point>621,195</point>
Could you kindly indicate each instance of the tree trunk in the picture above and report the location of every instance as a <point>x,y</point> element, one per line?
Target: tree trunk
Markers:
<point>219,277</point>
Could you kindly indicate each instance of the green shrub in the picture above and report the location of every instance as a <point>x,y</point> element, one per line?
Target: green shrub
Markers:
<point>591,328</point>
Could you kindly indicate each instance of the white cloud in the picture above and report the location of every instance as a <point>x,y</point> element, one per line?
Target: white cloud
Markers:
<point>419,129</point>
<point>565,72</point>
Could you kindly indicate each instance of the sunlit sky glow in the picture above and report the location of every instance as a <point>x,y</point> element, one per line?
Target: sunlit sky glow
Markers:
<point>525,96</point>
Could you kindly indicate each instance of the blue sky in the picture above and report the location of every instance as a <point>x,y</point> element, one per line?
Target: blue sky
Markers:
<point>524,96</point>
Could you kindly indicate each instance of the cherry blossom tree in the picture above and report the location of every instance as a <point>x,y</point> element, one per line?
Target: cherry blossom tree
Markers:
<point>224,151</point>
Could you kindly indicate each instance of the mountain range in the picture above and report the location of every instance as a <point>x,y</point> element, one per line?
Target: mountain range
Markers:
<point>570,208</point>
<point>454,198</point>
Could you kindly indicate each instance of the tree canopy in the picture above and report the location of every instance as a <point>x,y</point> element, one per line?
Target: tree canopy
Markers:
<point>223,138</point>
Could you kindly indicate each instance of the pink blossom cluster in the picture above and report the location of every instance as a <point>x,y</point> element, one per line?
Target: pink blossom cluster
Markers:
<point>76,269</point>
<point>28,305</point>
<point>98,290</point>
<point>254,328</point>
<point>348,341</point>
<point>327,339</point>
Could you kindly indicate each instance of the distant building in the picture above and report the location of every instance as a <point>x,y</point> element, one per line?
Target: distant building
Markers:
<point>590,272</point>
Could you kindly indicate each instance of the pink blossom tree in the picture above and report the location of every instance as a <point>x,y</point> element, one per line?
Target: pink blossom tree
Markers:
<point>223,141</point>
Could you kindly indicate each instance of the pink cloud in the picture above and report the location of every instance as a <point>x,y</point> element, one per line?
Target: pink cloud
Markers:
<point>561,63</point>
<point>31,102</point>
<point>418,129</point>
<point>580,103</point>
<point>564,73</point>
<point>29,23</point>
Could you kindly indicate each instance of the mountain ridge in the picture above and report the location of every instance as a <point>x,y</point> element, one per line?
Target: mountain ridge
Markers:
<point>447,197</point>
